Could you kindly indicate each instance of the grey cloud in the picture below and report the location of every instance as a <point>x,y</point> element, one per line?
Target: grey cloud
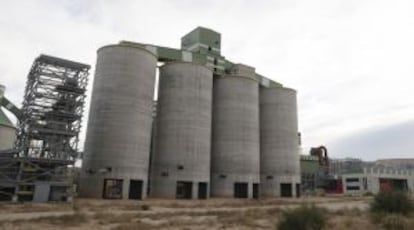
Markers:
<point>394,141</point>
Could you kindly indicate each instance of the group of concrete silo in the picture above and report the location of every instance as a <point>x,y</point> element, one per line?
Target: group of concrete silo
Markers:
<point>212,136</point>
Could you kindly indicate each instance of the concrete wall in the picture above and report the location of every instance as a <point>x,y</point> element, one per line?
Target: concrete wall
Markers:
<point>279,144</point>
<point>7,137</point>
<point>235,141</point>
<point>118,135</point>
<point>182,140</point>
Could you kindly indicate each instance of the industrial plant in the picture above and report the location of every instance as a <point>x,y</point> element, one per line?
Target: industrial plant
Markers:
<point>216,128</point>
<point>353,176</point>
<point>165,123</point>
<point>168,123</point>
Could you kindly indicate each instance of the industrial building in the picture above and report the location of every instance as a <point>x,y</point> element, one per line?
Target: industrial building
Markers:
<point>119,129</point>
<point>37,167</point>
<point>219,129</point>
<point>311,173</point>
<point>235,155</point>
<point>183,129</point>
<point>279,141</point>
<point>354,176</point>
<point>378,179</point>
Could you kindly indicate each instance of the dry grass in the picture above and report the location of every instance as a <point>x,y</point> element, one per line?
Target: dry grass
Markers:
<point>52,222</point>
<point>347,212</point>
<point>345,222</point>
<point>134,226</point>
<point>33,207</point>
<point>357,219</point>
<point>109,218</point>
<point>173,214</point>
<point>76,219</point>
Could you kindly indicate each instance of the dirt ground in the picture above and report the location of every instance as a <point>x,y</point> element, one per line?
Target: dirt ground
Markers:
<point>344,212</point>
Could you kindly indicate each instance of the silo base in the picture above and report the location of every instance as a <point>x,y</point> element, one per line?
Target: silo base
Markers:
<point>112,187</point>
<point>234,186</point>
<point>280,186</point>
<point>179,189</point>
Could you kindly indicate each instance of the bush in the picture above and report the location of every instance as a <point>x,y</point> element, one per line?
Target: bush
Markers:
<point>392,202</point>
<point>303,218</point>
<point>394,222</point>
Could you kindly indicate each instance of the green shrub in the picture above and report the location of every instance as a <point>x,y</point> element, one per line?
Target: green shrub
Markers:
<point>394,222</point>
<point>303,218</point>
<point>392,202</point>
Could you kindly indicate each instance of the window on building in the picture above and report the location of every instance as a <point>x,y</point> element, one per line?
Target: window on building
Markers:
<point>352,187</point>
<point>352,179</point>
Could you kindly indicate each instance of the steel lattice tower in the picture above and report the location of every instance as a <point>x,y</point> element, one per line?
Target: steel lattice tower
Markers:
<point>52,109</point>
<point>40,167</point>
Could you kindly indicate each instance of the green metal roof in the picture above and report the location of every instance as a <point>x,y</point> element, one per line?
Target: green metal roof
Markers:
<point>201,46</point>
<point>4,120</point>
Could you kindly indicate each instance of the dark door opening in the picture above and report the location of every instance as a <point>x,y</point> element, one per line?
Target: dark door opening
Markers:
<point>202,190</point>
<point>387,185</point>
<point>241,190</point>
<point>6,193</point>
<point>286,190</point>
<point>135,189</point>
<point>399,185</point>
<point>255,191</point>
<point>184,190</point>
<point>297,190</point>
<point>112,189</point>
<point>58,193</point>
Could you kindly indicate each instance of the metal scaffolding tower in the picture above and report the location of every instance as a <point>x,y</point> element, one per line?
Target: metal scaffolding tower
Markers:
<point>52,109</point>
<point>39,169</point>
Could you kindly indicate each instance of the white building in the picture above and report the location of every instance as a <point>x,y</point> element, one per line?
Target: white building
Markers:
<point>376,179</point>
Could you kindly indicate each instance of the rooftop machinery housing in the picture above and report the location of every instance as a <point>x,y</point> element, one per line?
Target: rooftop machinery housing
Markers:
<point>220,129</point>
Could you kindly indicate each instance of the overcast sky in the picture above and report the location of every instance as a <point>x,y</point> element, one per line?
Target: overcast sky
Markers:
<point>350,61</point>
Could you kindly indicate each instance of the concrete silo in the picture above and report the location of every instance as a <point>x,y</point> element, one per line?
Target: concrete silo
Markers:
<point>279,162</point>
<point>235,141</point>
<point>7,129</point>
<point>181,159</point>
<point>117,146</point>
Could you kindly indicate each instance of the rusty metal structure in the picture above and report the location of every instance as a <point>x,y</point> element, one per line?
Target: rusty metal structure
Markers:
<point>322,153</point>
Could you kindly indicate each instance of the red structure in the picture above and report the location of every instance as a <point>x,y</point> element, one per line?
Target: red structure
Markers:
<point>322,153</point>
<point>385,185</point>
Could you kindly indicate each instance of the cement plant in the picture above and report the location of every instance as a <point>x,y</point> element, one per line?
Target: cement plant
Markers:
<point>169,125</point>
<point>201,138</point>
